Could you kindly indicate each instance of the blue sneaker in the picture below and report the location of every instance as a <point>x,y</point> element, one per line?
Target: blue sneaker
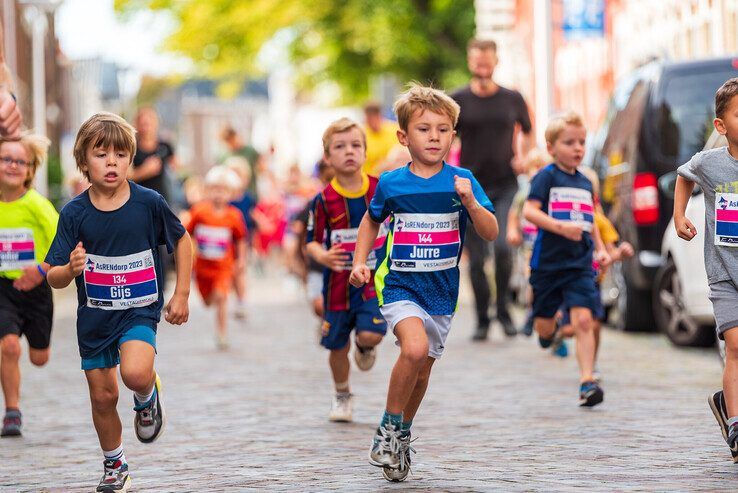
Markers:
<point>12,423</point>
<point>527,328</point>
<point>560,349</point>
<point>590,394</point>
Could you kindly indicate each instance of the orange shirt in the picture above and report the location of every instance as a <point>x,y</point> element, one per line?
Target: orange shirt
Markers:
<point>215,234</point>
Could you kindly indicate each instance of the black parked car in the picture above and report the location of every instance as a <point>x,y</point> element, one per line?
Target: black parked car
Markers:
<point>658,117</point>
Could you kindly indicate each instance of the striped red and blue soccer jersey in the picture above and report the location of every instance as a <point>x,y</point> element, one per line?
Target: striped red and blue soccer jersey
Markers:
<point>335,217</point>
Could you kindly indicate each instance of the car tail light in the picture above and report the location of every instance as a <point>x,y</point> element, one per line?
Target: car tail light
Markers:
<point>645,199</point>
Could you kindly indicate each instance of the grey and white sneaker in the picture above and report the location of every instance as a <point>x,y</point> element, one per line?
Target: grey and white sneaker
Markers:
<point>403,470</point>
<point>730,434</point>
<point>385,449</point>
<point>115,478</point>
<point>342,408</point>
<point>12,424</point>
<point>365,357</point>
<point>150,420</point>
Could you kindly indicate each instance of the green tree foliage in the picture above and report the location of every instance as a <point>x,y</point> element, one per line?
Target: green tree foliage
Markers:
<point>347,42</point>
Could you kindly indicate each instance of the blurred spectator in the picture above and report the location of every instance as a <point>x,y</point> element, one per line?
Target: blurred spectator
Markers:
<point>236,147</point>
<point>244,200</point>
<point>154,157</point>
<point>381,137</point>
<point>10,115</point>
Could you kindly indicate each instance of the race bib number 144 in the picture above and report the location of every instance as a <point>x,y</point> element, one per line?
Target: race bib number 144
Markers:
<point>425,242</point>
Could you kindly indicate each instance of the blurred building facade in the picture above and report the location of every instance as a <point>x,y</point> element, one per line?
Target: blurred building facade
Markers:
<point>573,58</point>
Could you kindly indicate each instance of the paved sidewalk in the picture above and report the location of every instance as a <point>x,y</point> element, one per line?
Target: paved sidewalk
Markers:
<point>499,416</point>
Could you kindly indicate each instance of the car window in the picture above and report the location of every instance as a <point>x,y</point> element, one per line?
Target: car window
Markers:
<point>683,117</point>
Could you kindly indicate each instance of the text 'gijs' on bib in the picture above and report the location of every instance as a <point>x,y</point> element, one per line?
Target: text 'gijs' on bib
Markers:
<point>120,283</point>
<point>425,242</point>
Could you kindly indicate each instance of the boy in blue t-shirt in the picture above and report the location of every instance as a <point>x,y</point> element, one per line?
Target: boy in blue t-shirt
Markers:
<point>417,278</point>
<point>107,241</point>
<point>561,204</point>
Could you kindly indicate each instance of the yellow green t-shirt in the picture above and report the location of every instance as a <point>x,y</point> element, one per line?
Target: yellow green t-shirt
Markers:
<point>27,228</point>
<point>378,145</point>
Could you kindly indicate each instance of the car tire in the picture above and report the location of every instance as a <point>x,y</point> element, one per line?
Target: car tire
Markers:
<point>635,311</point>
<point>671,315</point>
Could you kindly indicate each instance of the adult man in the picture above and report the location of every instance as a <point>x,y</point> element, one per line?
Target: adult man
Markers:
<point>493,121</point>
<point>381,137</point>
<point>153,155</point>
<point>236,147</point>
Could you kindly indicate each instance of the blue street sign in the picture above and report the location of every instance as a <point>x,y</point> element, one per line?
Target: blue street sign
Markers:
<point>584,19</point>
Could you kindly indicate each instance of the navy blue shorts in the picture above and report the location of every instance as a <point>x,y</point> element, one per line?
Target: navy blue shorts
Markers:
<point>598,313</point>
<point>363,316</point>
<point>573,288</point>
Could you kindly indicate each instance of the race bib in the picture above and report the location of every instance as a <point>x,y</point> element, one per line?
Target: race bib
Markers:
<point>16,249</point>
<point>119,283</point>
<point>726,219</point>
<point>212,241</point>
<point>347,239</point>
<point>530,232</point>
<point>425,242</point>
<point>572,204</point>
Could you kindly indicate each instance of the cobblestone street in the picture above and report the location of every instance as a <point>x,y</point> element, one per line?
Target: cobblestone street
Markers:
<point>498,416</point>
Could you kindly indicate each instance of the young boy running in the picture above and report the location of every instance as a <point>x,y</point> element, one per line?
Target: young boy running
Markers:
<point>716,172</point>
<point>331,238</point>
<point>107,241</point>
<point>219,230</point>
<point>417,280</point>
<point>561,204</point>
<point>27,226</point>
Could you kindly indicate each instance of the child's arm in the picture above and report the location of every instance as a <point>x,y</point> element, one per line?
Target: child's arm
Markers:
<point>177,310</point>
<point>514,237</point>
<point>368,231</point>
<point>485,223</point>
<point>599,248</point>
<point>682,192</point>
<point>59,276</point>
<point>241,253</point>
<point>335,258</point>
<point>533,213</point>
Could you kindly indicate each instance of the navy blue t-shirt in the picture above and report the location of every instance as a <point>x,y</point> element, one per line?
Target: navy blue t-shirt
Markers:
<point>419,259</point>
<point>120,286</point>
<point>246,204</point>
<point>566,197</point>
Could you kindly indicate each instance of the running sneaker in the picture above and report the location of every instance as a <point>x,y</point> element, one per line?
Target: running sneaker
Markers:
<point>560,349</point>
<point>12,423</point>
<point>403,469</point>
<point>590,394</point>
<point>546,343</point>
<point>527,329</point>
<point>507,325</point>
<point>150,420</point>
<point>239,313</point>
<point>717,405</point>
<point>481,333</point>
<point>342,408</point>
<point>385,449</point>
<point>365,357</point>
<point>115,478</point>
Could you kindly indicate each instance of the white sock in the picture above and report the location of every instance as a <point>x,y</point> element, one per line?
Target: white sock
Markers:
<point>144,398</point>
<point>116,454</point>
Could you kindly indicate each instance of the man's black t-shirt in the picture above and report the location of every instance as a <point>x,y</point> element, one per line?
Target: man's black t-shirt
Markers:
<point>158,183</point>
<point>486,128</point>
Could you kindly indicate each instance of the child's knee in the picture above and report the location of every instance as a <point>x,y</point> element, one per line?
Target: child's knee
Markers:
<point>731,343</point>
<point>39,357</point>
<point>368,339</point>
<point>104,399</point>
<point>544,326</point>
<point>582,321</point>
<point>11,348</point>
<point>415,353</point>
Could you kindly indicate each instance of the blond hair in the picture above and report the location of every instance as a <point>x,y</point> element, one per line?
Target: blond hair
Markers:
<point>535,160</point>
<point>223,176</point>
<point>558,123</point>
<point>338,127</point>
<point>37,148</point>
<point>591,175</point>
<point>419,97</point>
<point>103,130</point>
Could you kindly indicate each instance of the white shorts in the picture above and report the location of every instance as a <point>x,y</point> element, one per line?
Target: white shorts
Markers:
<point>314,285</point>
<point>436,326</point>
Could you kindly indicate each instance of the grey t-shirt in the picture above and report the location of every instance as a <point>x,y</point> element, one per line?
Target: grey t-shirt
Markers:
<point>716,172</point>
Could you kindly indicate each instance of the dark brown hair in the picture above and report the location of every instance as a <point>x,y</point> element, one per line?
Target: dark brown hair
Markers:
<point>723,96</point>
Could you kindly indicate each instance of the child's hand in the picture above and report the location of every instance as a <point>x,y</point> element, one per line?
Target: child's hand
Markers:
<point>30,279</point>
<point>77,260</point>
<point>464,190</point>
<point>360,275</point>
<point>684,228</point>
<point>336,258</point>
<point>571,231</point>
<point>625,250</point>
<point>513,237</point>
<point>603,258</point>
<point>177,311</point>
